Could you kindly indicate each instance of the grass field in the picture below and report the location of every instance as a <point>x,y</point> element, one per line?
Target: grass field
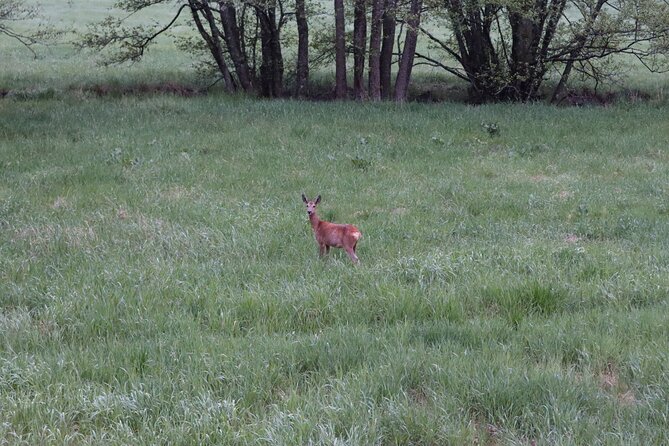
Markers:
<point>159,282</point>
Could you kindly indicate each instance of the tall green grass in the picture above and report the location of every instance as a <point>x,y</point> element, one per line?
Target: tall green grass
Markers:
<point>160,283</point>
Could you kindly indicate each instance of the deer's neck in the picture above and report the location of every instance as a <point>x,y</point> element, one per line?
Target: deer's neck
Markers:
<point>314,220</point>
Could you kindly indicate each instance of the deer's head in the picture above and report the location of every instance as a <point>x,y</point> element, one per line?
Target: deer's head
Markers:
<point>311,205</point>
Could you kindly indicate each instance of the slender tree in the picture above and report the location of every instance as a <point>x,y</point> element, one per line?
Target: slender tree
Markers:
<point>302,69</point>
<point>387,43</point>
<point>341,89</point>
<point>408,52</point>
<point>375,38</point>
<point>580,43</point>
<point>359,47</point>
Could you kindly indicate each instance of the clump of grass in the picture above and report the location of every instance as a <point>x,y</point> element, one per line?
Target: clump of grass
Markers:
<point>118,156</point>
<point>361,163</point>
<point>426,271</point>
<point>492,128</point>
<point>517,303</point>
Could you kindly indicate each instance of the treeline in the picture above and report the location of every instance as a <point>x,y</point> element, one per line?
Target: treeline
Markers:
<point>503,49</point>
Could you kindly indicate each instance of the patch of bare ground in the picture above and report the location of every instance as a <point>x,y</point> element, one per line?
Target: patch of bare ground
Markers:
<point>572,238</point>
<point>587,97</point>
<point>486,434</point>
<point>564,195</point>
<point>399,211</point>
<point>171,88</point>
<point>539,178</point>
<point>609,381</point>
<point>432,93</point>
<point>102,90</point>
<point>177,193</point>
<point>489,434</point>
<point>418,396</point>
<point>61,203</point>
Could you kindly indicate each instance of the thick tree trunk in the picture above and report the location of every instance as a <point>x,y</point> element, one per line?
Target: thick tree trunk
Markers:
<point>388,41</point>
<point>375,51</point>
<point>526,38</point>
<point>341,89</point>
<point>302,69</point>
<point>359,47</point>
<point>408,52</point>
<point>472,29</point>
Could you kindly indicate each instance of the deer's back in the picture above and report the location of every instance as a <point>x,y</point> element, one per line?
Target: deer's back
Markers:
<point>337,235</point>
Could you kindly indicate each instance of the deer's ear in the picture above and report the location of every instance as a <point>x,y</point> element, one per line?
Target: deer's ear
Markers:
<point>318,199</point>
<point>304,198</point>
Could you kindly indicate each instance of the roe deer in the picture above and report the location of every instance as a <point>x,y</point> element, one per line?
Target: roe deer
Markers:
<point>332,234</point>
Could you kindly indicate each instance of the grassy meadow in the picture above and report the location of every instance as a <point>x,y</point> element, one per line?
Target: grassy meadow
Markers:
<point>160,284</point>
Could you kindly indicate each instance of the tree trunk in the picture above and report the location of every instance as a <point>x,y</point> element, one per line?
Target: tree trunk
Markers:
<point>526,37</point>
<point>471,29</point>
<point>563,81</point>
<point>388,41</point>
<point>271,69</point>
<point>341,89</point>
<point>554,14</point>
<point>408,52</point>
<point>233,39</point>
<point>581,41</point>
<point>302,70</point>
<point>359,47</point>
<point>213,41</point>
<point>375,51</point>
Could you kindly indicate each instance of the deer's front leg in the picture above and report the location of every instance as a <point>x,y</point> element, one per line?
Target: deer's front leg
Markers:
<point>321,249</point>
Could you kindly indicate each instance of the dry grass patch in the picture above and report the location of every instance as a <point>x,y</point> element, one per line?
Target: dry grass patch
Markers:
<point>609,381</point>
<point>43,235</point>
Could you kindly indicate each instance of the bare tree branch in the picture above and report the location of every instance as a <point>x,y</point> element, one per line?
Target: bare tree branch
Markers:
<point>435,63</point>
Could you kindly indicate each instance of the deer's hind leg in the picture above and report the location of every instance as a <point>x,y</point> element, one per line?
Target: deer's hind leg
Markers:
<point>351,253</point>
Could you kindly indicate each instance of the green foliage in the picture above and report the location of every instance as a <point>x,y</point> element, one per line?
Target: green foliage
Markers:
<point>507,50</point>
